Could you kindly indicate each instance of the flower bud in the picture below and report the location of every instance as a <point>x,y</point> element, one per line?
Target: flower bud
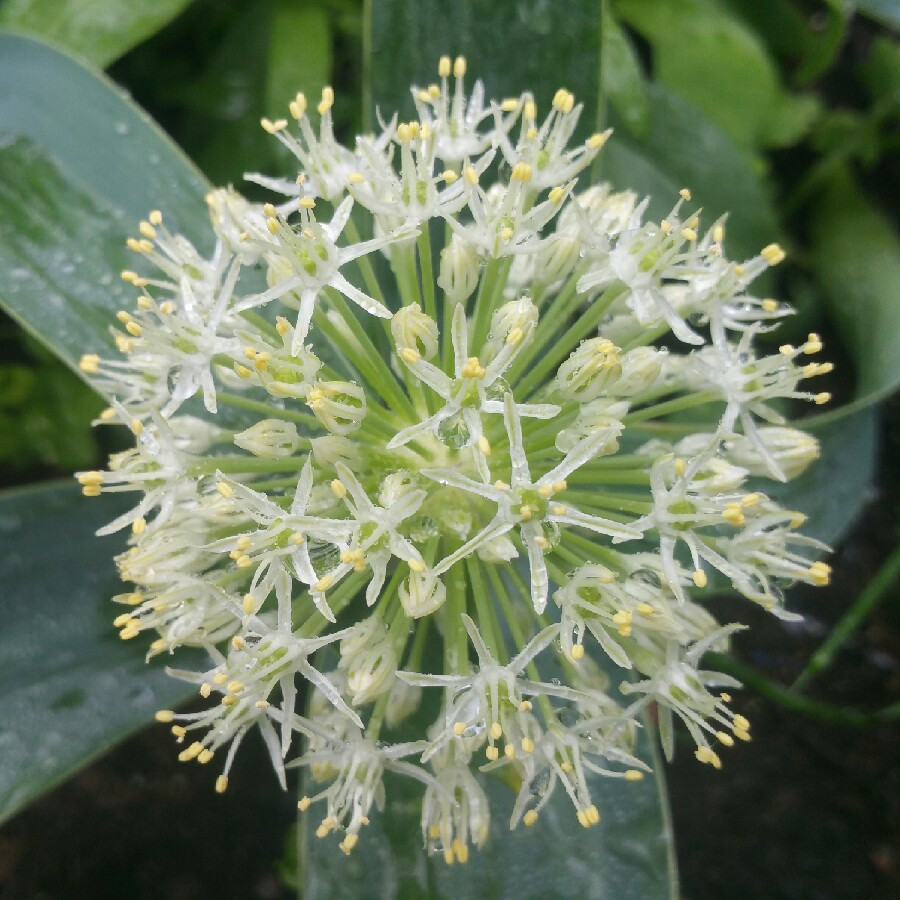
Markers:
<point>498,550</point>
<point>329,450</point>
<point>601,413</point>
<point>394,487</point>
<point>269,439</point>
<point>402,702</point>
<point>513,322</point>
<point>421,594</point>
<point>556,258</point>
<point>413,329</point>
<point>368,658</point>
<point>640,369</point>
<point>793,450</point>
<point>588,370</point>
<point>339,405</point>
<point>603,212</point>
<point>460,268</point>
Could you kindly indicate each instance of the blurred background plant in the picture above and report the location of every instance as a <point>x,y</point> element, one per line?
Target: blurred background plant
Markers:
<point>785,112</point>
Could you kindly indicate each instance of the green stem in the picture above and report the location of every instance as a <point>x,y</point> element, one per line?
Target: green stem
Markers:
<point>668,407</point>
<point>269,410</point>
<point>427,271</point>
<point>875,591</point>
<point>561,348</point>
<point>783,696</point>
<point>239,464</point>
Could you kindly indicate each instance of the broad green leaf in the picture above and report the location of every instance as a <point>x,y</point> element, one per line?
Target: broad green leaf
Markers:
<point>70,689</point>
<point>833,491</point>
<point>714,60</point>
<point>99,30</point>
<point>621,76</point>
<point>885,11</point>
<point>299,53</point>
<point>684,149</point>
<point>79,166</point>
<point>856,255</point>
<point>530,45</point>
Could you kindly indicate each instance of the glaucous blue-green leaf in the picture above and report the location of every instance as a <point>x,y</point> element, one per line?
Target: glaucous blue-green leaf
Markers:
<point>70,687</point>
<point>299,56</point>
<point>79,166</point>
<point>885,11</point>
<point>832,492</point>
<point>530,45</point>
<point>856,256</point>
<point>685,149</point>
<point>622,82</point>
<point>98,30</point>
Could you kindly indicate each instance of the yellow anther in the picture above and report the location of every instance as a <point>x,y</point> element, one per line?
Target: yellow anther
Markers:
<point>492,753</point>
<point>272,226</point>
<point>665,226</point>
<point>741,734</point>
<point>459,728</point>
<point>147,230</point>
<point>770,305</point>
<point>90,478</point>
<point>349,843</point>
<point>525,512</point>
<point>409,355</point>
<point>527,745</point>
<point>725,738</point>
<point>179,731</point>
<point>772,254</point>
<point>155,217</point>
<point>582,819</point>
<point>559,486</point>
<point>530,818</point>
<point>496,731</point>
<point>123,620</point>
<point>633,775</point>
<point>238,643</point>
<point>134,329</point>
<point>242,371</point>
<point>323,584</point>
<point>164,715</point>
<point>327,101</point>
<point>248,604</point>
<point>307,203</point>
<point>566,766</point>
<point>822,398</point>
<point>424,95</point>
<point>578,651</point>
<point>139,525</point>
<point>303,804</point>
<point>689,234</point>
<point>191,752</point>
<point>205,690</point>
<point>235,687</point>
<point>107,415</point>
<point>228,700</point>
<point>459,67</point>
<point>622,617</point>
<point>204,756</point>
<point>521,172</point>
<point>556,194</point>
<point>525,706</point>
<point>700,579</point>
<point>472,368</point>
<point>297,539</point>
<point>680,467</point>
<point>509,751</point>
<point>470,174</point>
<point>444,66</point>
<point>558,510</point>
<point>751,499</point>
<point>725,698</point>
<point>545,491</point>
<point>718,234</point>
<point>501,485</point>
<point>261,704</point>
<point>741,722</point>
<point>821,575</point>
<point>126,634</point>
<point>685,194</point>
<point>813,344</point>
<point>706,755</point>
<point>645,609</point>
<point>89,363</point>
<point>434,91</point>
<point>787,350</point>
<point>282,326</point>
<point>596,141</point>
<point>449,176</point>
<point>221,784</point>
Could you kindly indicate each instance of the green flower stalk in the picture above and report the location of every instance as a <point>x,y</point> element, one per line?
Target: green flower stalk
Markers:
<point>400,433</point>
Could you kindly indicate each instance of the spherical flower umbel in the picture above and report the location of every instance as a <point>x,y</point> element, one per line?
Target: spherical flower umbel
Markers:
<point>433,376</point>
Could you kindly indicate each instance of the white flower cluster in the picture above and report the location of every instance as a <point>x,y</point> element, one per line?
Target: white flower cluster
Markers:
<point>420,425</point>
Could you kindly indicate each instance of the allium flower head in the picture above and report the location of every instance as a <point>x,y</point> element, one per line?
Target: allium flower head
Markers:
<point>431,376</point>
